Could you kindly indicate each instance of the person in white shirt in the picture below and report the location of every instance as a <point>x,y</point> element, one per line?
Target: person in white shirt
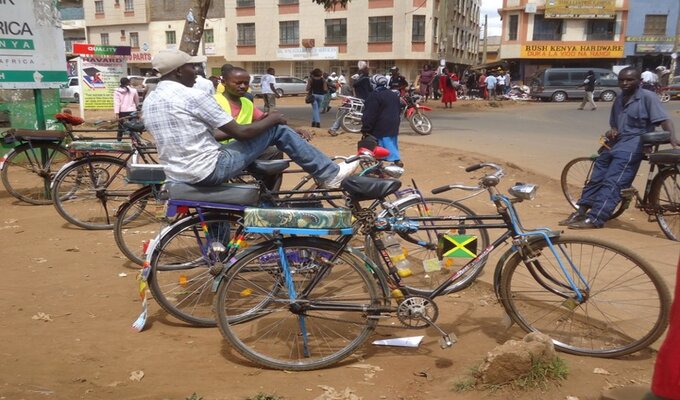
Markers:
<point>649,79</point>
<point>202,83</point>
<point>268,89</point>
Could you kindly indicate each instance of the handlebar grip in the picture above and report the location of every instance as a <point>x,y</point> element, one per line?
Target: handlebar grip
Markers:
<point>474,167</point>
<point>441,189</point>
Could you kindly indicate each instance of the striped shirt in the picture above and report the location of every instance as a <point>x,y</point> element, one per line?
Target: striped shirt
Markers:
<point>182,121</point>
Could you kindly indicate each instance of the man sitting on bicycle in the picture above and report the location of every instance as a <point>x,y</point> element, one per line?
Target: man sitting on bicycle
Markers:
<point>182,121</point>
<point>634,113</point>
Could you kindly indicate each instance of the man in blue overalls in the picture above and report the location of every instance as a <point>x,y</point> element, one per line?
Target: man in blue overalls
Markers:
<point>633,113</point>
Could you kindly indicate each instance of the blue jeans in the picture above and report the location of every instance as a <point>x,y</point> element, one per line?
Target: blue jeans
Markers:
<point>612,172</point>
<point>237,155</point>
<point>341,115</point>
<point>316,106</point>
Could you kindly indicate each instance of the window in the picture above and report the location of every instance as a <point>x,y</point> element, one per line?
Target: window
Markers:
<point>303,68</point>
<point>129,5</point>
<point>336,31</point>
<point>170,37</point>
<point>99,7</point>
<point>512,27</point>
<point>245,3</point>
<point>260,67</point>
<point>547,29</point>
<point>418,34</point>
<point>600,29</point>
<point>246,34</point>
<point>208,36</point>
<point>380,29</point>
<point>289,32</point>
<point>134,39</point>
<point>285,2</point>
<point>104,38</point>
<point>655,25</point>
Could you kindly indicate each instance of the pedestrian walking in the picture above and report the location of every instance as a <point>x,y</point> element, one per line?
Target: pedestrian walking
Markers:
<point>589,86</point>
<point>125,102</point>
<point>268,89</point>
<point>447,81</point>
<point>381,117</point>
<point>318,88</point>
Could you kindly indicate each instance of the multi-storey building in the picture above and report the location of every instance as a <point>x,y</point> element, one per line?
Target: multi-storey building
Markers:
<point>653,33</point>
<point>295,36</point>
<point>563,33</point>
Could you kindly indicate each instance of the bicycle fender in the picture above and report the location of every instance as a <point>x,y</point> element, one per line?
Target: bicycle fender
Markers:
<point>425,108</point>
<point>400,201</point>
<point>498,271</point>
<point>61,171</point>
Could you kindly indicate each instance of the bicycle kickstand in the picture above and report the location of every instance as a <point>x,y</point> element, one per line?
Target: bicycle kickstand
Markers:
<point>447,340</point>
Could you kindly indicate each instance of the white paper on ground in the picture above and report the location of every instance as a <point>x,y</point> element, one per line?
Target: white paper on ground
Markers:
<point>412,341</point>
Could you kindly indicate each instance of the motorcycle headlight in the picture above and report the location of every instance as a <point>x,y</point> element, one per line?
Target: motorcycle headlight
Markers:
<point>524,191</point>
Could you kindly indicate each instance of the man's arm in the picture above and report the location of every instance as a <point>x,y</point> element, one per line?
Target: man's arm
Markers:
<point>243,132</point>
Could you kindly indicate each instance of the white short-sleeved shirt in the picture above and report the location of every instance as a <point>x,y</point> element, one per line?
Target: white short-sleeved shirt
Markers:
<point>265,83</point>
<point>182,121</point>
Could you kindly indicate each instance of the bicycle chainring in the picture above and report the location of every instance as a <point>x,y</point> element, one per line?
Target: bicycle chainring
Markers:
<point>417,312</point>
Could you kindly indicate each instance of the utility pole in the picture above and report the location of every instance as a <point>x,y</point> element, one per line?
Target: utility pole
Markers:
<point>193,26</point>
<point>486,20</point>
<point>676,49</point>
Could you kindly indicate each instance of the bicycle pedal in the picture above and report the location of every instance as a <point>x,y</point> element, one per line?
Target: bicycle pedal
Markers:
<point>447,341</point>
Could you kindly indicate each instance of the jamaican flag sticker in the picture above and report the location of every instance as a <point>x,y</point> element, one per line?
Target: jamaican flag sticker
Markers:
<point>462,246</point>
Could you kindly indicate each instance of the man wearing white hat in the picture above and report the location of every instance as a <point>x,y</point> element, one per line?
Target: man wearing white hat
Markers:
<point>187,123</point>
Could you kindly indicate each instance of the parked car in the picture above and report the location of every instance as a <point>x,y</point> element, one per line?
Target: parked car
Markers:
<point>285,85</point>
<point>562,84</point>
<point>674,87</point>
<point>70,91</point>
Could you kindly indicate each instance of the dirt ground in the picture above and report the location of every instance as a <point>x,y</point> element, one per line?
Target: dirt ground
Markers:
<point>68,299</point>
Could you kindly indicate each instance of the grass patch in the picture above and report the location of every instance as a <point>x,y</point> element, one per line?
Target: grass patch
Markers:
<point>264,396</point>
<point>539,376</point>
<point>194,396</point>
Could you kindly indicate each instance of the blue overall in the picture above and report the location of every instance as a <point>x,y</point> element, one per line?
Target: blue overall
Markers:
<point>615,169</point>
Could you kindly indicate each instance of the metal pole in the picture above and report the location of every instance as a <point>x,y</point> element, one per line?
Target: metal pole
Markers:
<point>676,48</point>
<point>39,111</point>
<point>486,20</point>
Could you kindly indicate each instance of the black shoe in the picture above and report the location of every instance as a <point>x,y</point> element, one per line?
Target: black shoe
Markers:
<point>585,224</point>
<point>574,217</point>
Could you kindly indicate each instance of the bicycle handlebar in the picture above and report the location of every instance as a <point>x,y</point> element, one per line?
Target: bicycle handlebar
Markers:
<point>485,182</point>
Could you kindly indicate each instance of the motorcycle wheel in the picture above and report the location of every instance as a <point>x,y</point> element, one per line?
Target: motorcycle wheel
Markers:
<point>351,122</point>
<point>420,123</point>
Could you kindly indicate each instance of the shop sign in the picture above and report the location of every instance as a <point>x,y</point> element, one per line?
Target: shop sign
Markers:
<point>654,48</point>
<point>580,9</point>
<point>572,51</point>
<point>654,39</point>
<point>31,45</point>
<point>138,57</point>
<point>101,50</point>
<point>302,53</point>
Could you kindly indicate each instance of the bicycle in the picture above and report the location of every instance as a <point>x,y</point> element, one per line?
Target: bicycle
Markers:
<point>88,189</point>
<point>184,258</point>
<point>304,303</point>
<point>27,169</point>
<point>661,197</point>
<point>351,111</point>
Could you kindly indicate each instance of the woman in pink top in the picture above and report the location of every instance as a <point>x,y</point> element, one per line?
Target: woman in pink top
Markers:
<point>125,102</point>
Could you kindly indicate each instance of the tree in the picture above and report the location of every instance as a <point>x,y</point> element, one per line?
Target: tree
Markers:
<point>195,20</point>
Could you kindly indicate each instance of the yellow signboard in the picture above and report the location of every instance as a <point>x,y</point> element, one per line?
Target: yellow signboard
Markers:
<point>580,9</point>
<point>572,51</point>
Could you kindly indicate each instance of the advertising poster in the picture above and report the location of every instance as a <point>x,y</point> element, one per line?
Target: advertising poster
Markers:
<point>580,9</point>
<point>99,76</point>
<point>32,50</point>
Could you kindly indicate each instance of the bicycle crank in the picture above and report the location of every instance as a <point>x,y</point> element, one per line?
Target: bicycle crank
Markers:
<point>420,312</point>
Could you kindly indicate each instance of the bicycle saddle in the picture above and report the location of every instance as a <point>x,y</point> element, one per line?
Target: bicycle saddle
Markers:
<point>230,193</point>
<point>654,138</point>
<point>268,167</point>
<point>368,188</point>
<point>69,119</point>
<point>665,157</point>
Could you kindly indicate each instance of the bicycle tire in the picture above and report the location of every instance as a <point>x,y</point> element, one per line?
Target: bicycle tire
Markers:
<point>136,222</point>
<point>664,196</point>
<point>269,329</point>
<point>420,123</point>
<point>625,310</point>
<point>180,279</point>
<point>351,122</point>
<point>87,193</point>
<point>421,246</point>
<point>575,175</point>
<point>29,169</point>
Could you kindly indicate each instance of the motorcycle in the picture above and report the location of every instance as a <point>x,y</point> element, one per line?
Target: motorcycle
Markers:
<point>412,111</point>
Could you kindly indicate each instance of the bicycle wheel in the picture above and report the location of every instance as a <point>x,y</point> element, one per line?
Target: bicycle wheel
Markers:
<point>88,192</point>
<point>334,312</point>
<point>180,279</point>
<point>422,245</point>
<point>574,177</point>
<point>625,306</point>
<point>665,198</point>
<point>351,122</point>
<point>29,169</point>
<point>138,220</point>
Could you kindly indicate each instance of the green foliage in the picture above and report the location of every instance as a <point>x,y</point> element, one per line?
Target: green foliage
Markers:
<point>194,396</point>
<point>332,4</point>
<point>264,396</point>
<point>464,384</point>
